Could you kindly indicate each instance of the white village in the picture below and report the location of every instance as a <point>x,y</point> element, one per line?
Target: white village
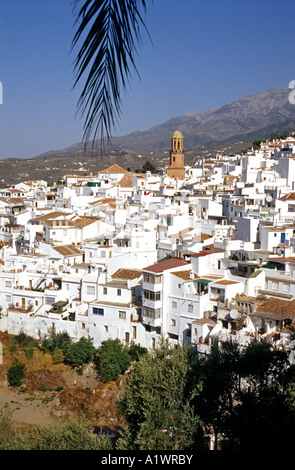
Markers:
<point>200,254</point>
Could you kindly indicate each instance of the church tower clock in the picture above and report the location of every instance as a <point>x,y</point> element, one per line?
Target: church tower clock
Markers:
<point>176,168</point>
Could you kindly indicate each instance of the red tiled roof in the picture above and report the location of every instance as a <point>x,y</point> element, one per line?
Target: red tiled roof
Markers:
<point>205,253</point>
<point>166,264</point>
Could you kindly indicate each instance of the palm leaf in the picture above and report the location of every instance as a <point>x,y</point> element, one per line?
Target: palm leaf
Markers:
<point>112,30</point>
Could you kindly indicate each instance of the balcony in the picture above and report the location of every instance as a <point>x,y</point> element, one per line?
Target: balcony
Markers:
<point>16,308</point>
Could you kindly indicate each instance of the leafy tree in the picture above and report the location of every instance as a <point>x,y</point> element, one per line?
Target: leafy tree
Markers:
<point>217,377</point>
<point>157,403</point>
<point>16,374</point>
<point>256,144</point>
<point>112,32</point>
<point>57,341</point>
<point>149,166</point>
<point>25,341</point>
<point>81,352</point>
<point>136,351</point>
<point>247,396</point>
<point>113,359</point>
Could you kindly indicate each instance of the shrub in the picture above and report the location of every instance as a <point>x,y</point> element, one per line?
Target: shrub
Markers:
<point>75,434</point>
<point>58,356</point>
<point>113,359</point>
<point>25,341</point>
<point>57,341</point>
<point>136,351</point>
<point>15,374</point>
<point>80,353</point>
<point>29,353</point>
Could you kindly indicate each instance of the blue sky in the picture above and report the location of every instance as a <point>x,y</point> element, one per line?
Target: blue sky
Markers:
<point>204,54</point>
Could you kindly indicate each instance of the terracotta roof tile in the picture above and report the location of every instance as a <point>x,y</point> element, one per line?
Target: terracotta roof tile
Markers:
<point>123,273</point>
<point>114,169</point>
<point>166,264</point>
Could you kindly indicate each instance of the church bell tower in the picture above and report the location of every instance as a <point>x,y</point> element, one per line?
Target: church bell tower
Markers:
<point>176,168</point>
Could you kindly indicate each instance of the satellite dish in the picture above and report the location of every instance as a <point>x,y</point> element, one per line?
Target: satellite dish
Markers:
<point>268,198</point>
<point>234,314</point>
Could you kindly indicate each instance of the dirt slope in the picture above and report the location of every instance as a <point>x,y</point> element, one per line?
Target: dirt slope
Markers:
<point>53,392</point>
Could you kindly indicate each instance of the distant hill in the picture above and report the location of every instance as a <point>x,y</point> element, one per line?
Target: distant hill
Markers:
<point>229,128</point>
<point>254,113</point>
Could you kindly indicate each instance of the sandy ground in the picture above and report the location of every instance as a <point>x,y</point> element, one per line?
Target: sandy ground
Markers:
<point>28,410</point>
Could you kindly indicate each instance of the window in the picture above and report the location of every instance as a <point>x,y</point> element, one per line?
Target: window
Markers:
<point>188,330</point>
<point>119,292</point>
<point>150,295</point>
<point>286,287</point>
<point>105,291</point>
<point>8,298</point>
<point>153,313</point>
<point>67,286</point>
<point>134,332</point>
<point>151,278</point>
<point>174,304</point>
<point>122,315</point>
<point>91,290</point>
<point>190,308</point>
<point>275,286</point>
<point>8,283</point>
<point>98,311</point>
<point>173,322</point>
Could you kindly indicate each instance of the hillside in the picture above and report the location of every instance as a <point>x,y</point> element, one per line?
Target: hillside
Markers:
<point>229,128</point>
<point>251,114</point>
<point>51,393</point>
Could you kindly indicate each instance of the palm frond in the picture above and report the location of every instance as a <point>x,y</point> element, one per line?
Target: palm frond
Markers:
<point>113,34</point>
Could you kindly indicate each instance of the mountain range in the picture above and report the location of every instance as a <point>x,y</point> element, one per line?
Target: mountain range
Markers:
<point>257,114</point>
<point>229,128</point>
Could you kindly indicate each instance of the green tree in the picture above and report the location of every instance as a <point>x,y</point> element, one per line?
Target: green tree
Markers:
<point>81,352</point>
<point>136,351</point>
<point>256,144</point>
<point>149,166</point>
<point>113,359</point>
<point>216,376</point>
<point>157,403</point>
<point>265,403</point>
<point>247,396</point>
<point>55,341</point>
<point>25,341</point>
<point>16,374</point>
